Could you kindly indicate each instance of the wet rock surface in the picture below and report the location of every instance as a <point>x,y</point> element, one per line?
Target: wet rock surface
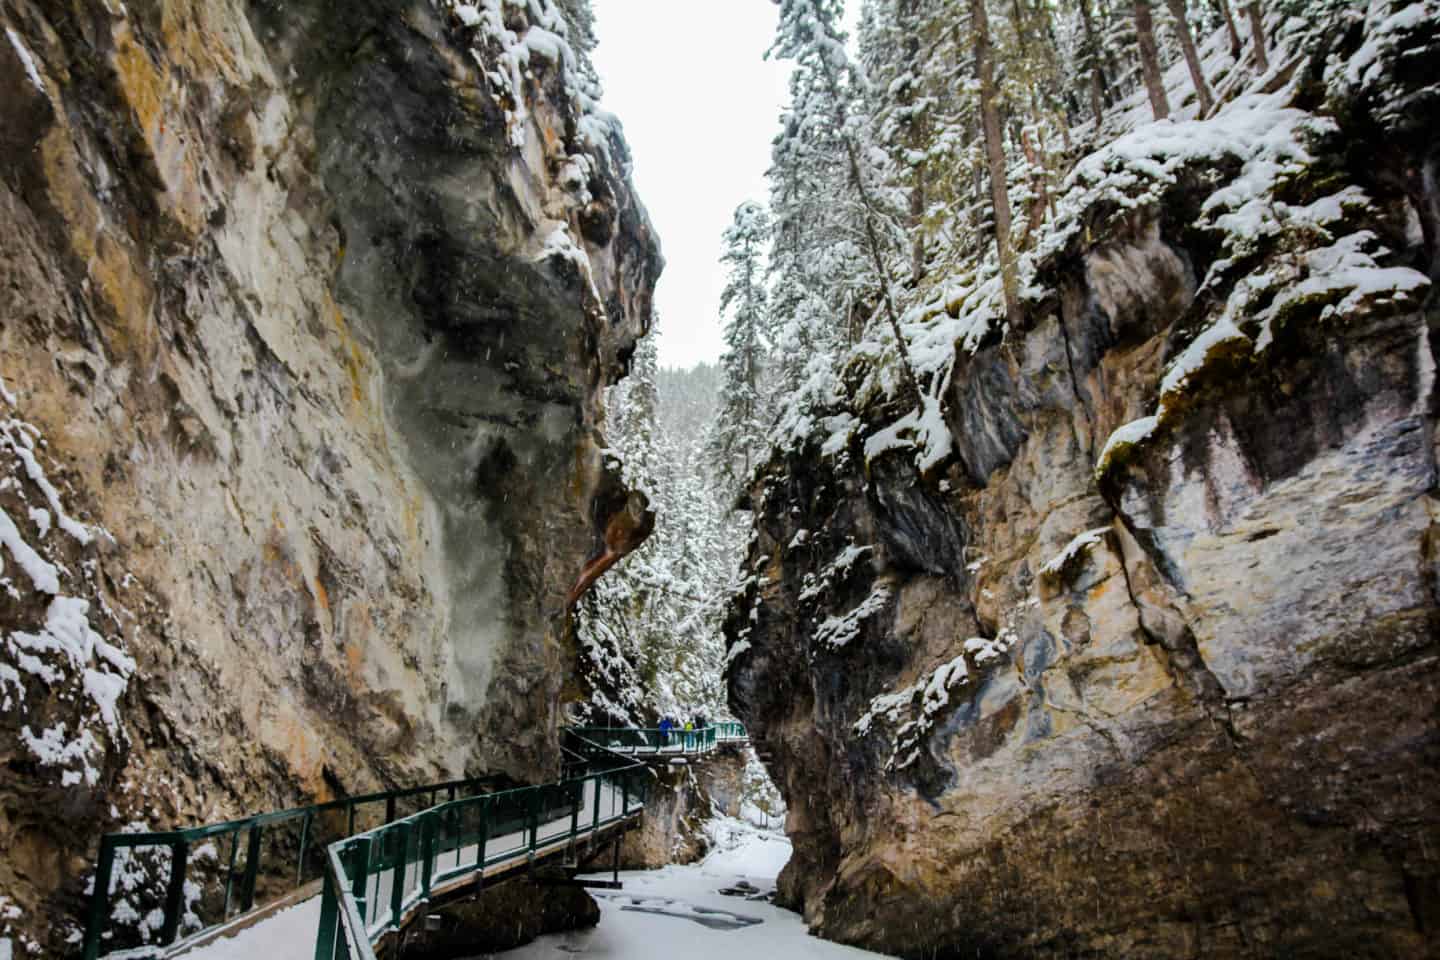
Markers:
<point>319,340</point>
<point>1175,701</point>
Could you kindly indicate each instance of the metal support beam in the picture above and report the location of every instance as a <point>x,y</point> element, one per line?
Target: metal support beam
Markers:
<point>175,892</point>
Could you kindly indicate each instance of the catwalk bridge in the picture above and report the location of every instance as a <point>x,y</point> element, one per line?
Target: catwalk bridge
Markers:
<point>345,879</point>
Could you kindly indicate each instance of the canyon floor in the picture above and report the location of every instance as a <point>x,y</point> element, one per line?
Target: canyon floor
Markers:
<point>679,911</point>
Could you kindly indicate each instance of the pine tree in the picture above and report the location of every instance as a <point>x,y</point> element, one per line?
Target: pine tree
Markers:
<point>995,157</point>
<point>1092,63</point>
<point>814,259</point>
<point>809,34</point>
<point>649,630</point>
<point>739,430</point>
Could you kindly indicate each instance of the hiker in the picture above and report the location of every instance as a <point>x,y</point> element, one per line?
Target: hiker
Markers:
<point>666,725</point>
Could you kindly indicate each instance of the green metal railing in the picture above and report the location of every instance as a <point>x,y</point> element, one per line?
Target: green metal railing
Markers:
<point>171,887</point>
<point>633,740</point>
<point>376,880</point>
<point>731,730</point>
<point>258,847</point>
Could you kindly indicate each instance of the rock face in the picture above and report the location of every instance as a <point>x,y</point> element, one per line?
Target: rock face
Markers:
<point>1173,694</point>
<point>307,308</point>
<point>682,800</point>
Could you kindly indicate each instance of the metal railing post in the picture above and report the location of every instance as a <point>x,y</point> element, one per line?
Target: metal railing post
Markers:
<point>329,919</point>
<point>99,899</point>
<point>252,869</point>
<point>429,851</point>
<point>397,873</point>
<point>304,835</point>
<point>484,838</point>
<point>595,822</point>
<point>359,880</point>
<point>175,891</point>
<point>230,873</point>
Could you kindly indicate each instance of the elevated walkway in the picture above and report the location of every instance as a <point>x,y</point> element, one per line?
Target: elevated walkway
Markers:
<point>366,867</point>
<point>656,744</point>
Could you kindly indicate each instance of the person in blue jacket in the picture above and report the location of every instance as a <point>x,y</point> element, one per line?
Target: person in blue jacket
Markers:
<point>666,725</point>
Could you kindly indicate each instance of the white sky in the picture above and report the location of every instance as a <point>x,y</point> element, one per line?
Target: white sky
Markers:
<point>699,105</point>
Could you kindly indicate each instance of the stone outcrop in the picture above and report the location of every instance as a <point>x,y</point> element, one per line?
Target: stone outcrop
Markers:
<point>305,313</point>
<point>1147,665</point>
<point>683,798</point>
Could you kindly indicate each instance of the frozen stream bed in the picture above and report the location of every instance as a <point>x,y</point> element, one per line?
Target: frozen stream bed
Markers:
<point>678,913</point>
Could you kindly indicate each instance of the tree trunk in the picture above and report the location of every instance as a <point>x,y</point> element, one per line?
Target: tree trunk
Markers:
<point>1192,56</point>
<point>1097,80</point>
<point>917,217</point>
<point>867,204</point>
<point>995,160</point>
<point>1150,60</point>
<point>1035,159</point>
<point>1257,32</point>
<point>915,141</point>
<point>1230,27</point>
<point>1045,169</point>
<point>907,367</point>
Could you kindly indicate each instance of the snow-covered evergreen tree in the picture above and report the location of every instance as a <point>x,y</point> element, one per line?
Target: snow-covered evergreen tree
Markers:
<point>737,438</point>
<point>649,630</point>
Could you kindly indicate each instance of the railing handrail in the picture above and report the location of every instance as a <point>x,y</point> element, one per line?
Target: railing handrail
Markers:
<point>715,725</point>
<point>351,926</point>
<point>344,923</point>
<point>206,831</point>
<point>179,841</point>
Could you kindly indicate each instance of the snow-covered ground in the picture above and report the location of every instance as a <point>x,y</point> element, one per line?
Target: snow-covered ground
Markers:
<point>674,912</point>
<point>678,913</point>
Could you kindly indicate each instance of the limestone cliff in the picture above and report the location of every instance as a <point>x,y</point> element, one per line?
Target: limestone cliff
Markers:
<point>305,313</point>
<point>1137,655</point>
<point>683,801</point>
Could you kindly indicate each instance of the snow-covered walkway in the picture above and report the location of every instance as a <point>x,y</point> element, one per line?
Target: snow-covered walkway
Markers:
<point>674,912</point>
<point>290,934</point>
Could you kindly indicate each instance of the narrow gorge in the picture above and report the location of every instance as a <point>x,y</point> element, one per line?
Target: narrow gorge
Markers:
<point>1048,483</point>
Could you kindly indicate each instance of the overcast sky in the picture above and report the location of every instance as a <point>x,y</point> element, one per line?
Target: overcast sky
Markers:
<point>699,105</point>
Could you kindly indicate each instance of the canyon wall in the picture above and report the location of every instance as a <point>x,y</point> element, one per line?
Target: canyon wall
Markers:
<point>305,313</point>
<point>683,800</point>
<point>1128,645</point>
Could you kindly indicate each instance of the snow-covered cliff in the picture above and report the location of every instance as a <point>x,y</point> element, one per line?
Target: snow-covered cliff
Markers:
<point>305,314</point>
<point>1123,642</point>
